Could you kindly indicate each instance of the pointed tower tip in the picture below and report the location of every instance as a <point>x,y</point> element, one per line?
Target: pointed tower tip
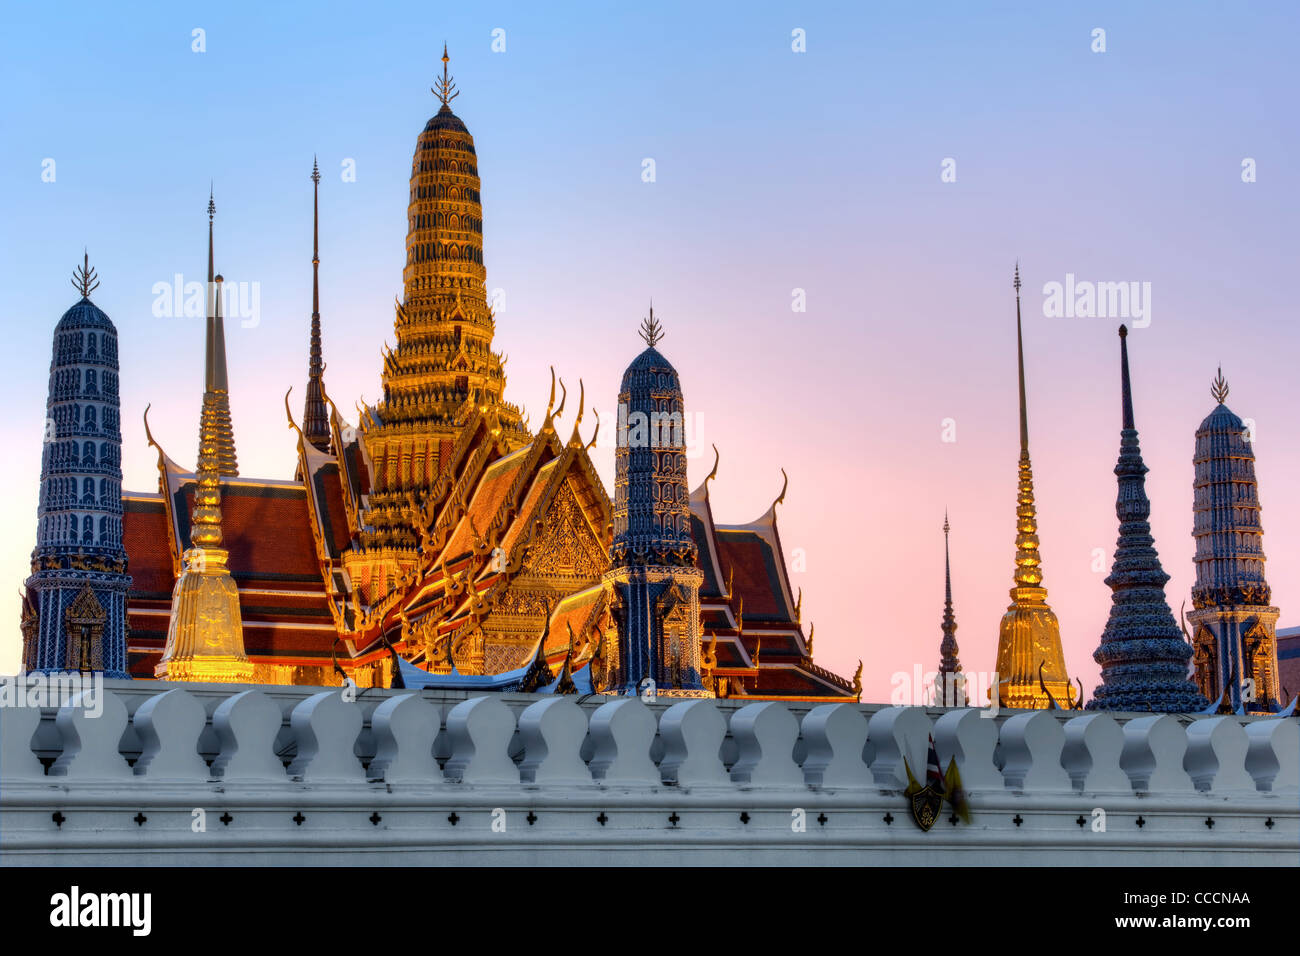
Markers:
<point>1016,281</point>
<point>445,89</point>
<point>1126,397</point>
<point>1020,368</point>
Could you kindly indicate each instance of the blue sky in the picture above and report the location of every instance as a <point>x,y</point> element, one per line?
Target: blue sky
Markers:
<point>775,170</point>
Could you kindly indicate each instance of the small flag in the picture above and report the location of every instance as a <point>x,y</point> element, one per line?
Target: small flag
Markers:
<point>955,792</point>
<point>933,776</point>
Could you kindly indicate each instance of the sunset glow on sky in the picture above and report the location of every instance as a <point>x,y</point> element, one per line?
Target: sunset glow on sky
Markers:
<point>775,171</point>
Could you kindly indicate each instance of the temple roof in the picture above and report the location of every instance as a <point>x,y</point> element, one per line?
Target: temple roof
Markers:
<point>84,315</point>
<point>1222,419</point>
<point>445,119</point>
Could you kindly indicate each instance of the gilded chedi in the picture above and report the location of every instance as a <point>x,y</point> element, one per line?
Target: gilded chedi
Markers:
<point>205,635</point>
<point>1030,663</point>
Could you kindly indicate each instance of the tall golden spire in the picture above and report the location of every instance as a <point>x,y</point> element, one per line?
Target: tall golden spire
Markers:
<point>215,380</point>
<point>1030,634</point>
<point>205,634</point>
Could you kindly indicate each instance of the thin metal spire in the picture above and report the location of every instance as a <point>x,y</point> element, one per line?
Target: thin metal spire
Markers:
<point>216,397</point>
<point>947,569</point>
<point>1020,358</point>
<point>445,89</point>
<point>1126,391</point>
<point>315,418</point>
<point>949,665</point>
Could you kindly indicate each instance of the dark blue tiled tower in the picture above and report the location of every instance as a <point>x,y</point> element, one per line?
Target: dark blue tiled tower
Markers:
<point>1143,656</point>
<point>653,583</point>
<point>1233,619</point>
<point>74,609</point>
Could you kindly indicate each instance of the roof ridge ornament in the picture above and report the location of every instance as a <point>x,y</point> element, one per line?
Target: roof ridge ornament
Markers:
<point>651,329</point>
<point>1219,387</point>
<point>445,89</point>
<point>83,277</point>
<point>714,473</point>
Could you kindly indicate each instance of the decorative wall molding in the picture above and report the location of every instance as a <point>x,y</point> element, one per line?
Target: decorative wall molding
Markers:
<point>193,774</point>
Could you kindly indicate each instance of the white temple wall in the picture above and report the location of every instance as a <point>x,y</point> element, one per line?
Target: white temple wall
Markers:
<point>213,774</point>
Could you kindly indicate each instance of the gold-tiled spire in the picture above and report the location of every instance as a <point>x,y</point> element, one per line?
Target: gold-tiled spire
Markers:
<point>1030,635</point>
<point>205,634</point>
<point>215,380</point>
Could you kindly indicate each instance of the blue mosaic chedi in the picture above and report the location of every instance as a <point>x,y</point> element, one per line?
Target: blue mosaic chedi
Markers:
<point>652,581</point>
<point>1143,657</point>
<point>74,608</point>
<point>1233,620</point>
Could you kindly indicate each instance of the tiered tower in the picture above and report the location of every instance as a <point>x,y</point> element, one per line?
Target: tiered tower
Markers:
<point>1030,657</point>
<point>951,687</point>
<point>205,633</point>
<point>1233,621</point>
<point>74,608</point>
<point>653,583</point>
<point>315,417</point>
<point>443,365</point>
<point>1142,654</point>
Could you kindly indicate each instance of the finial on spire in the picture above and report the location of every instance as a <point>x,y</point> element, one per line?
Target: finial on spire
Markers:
<point>1020,359</point>
<point>445,89</point>
<point>1126,398</point>
<point>83,277</point>
<point>945,522</point>
<point>1219,387</point>
<point>651,330</point>
<point>315,170</point>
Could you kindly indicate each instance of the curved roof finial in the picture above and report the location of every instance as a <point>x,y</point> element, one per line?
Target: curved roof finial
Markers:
<point>148,434</point>
<point>651,330</point>
<point>1219,387</point>
<point>564,396</point>
<point>288,414</point>
<point>785,484</point>
<point>445,89</point>
<point>714,473</point>
<point>592,444</point>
